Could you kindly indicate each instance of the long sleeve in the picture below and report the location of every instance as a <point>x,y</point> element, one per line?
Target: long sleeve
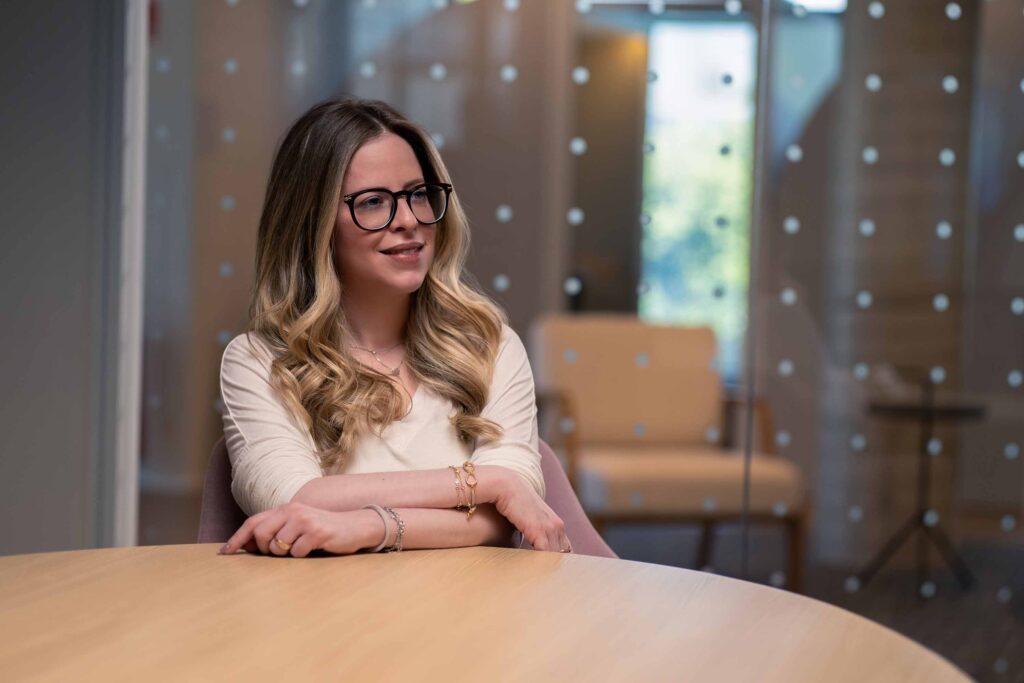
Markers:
<point>512,404</point>
<point>272,456</point>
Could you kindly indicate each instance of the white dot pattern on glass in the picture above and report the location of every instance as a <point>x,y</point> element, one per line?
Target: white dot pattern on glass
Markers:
<point>937,375</point>
<point>1004,594</point>
<point>855,513</point>
<point>639,429</point>
<point>777,579</point>
<point>1011,451</point>
<point>1014,378</point>
<point>1008,523</point>
<point>861,371</point>
<point>873,82</point>
<point>1017,305</point>
<point>231,66</point>
<point>509,73</point>
<point>788,296</point>
<point>227,202</point>
<point>652,76</point>
<point>786,367</point>
<point>794,153</point>
<point>438,140</point>
<point>162,132</point>
<point>870,155</point>
<point>791,225</point>
<point>656,6</point>
<point>953,11</point>
<point>226,269</point>
<point>569,355</point>
<point>574,216</point>
<point>931,518</point>
<point>943,230</point>
<point>511,5</point>
<point>229,135</point>
<point>438,71</point>
<point>947,157</point>
<point>501,282</point>
<point>440,4</point>
<point>582,5</point>
<point>733,7</point>
<point>645,218</point>
<point>858,442</point>
<point>300,3</point>
<point>643,287</point>
<point>580,75</point>
<point>940,302</point>
<point>1001,665</point>
<point>223,337</point>
<point>864,299</point>
<point>876,10</point>
<point>1020,159</point>
<point>711,434</point>
<point>852,584</point>
<point>928,589</point>
<point>636,499</point>
<point>642,360</point>
<point>578,146</point>
<point>218,406</point>
<point>163,65</point>
<point>799,11</point>
<point>567,425</point>
<point>648,148</point>
<point>710,504</point>
<point>1018,232</point>
<point>950,84</point>
<point>780,509</point>
<point>866,227</point>
<point>934,446</point>
<point>572,286</point>
<point>298,68</point>
<point>368,69</point>
<point>783,438</point>
<point>503,213</point>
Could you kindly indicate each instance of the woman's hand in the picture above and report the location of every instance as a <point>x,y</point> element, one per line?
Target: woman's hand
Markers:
<point>303,529</point>
<point>519,503</point>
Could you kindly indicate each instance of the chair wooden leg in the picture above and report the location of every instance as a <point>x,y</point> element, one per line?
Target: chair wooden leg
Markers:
<point>795,533</point>
<point>707,536</point>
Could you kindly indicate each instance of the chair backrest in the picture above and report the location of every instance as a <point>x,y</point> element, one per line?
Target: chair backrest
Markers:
<point>628,380</point>
<point>220,515</point>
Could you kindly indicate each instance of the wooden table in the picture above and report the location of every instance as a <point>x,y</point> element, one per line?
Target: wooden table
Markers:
<point>185,613</point>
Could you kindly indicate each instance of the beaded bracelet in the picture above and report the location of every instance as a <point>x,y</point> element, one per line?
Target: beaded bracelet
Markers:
<point>468,468</point>
<point>383,518</point>
<point>459,504</point>
<point>397,546</point>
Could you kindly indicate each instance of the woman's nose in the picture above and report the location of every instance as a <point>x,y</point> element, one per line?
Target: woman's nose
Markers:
<point>404,217</point>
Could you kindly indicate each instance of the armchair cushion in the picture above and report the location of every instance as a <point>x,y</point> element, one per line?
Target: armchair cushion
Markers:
<point>683,480</point>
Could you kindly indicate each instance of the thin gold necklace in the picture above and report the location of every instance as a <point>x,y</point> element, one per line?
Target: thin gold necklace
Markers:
<point>393,371</point>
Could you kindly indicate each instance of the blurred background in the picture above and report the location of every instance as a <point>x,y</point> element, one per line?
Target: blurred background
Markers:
<point>767,257</point>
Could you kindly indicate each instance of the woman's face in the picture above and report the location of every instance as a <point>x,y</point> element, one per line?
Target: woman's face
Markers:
<point>386,161</point>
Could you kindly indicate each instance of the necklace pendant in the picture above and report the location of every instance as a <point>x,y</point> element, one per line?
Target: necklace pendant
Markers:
<point>396,371</point>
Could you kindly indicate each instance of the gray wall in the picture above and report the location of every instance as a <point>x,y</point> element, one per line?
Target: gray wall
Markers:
<point>60,79</point>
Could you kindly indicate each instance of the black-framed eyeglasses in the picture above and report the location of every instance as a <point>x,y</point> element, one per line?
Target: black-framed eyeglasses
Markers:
<point>374,209</point>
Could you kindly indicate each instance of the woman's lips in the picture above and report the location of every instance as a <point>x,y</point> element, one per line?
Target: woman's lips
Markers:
<point>405,256</point>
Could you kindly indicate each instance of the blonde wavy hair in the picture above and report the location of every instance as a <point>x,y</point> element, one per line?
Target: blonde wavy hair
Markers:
<point>453,330</point>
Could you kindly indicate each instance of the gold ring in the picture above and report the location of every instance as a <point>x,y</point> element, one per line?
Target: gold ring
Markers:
<point>282,545</point>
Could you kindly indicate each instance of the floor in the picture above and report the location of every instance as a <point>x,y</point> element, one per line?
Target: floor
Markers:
<point>981,631</point>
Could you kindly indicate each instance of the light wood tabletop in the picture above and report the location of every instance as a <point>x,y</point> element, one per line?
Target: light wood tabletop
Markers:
<point>185,613</point>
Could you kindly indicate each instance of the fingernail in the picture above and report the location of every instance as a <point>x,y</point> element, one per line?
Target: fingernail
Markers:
<point>223,549</point>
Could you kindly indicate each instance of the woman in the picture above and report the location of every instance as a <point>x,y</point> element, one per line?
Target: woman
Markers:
<point>371,368</point>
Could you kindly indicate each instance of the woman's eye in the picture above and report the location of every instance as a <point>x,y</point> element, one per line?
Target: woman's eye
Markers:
<point>371,202</point>
<point>420,195</point>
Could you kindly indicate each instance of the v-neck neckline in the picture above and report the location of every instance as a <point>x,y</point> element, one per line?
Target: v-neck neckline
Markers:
<point>412,402</point>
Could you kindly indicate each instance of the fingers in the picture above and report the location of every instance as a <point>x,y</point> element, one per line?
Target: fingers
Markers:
<point>242,537</point>
<point>283,542</point>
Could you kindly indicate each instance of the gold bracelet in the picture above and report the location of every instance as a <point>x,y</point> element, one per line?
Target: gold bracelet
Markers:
<point>459,504</point>
<point>471,482</point>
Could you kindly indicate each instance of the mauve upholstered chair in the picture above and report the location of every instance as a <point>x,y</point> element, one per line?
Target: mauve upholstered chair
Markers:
<point>220,515</point>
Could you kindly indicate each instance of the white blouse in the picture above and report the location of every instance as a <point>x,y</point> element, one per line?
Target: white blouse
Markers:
<point>273,456</point>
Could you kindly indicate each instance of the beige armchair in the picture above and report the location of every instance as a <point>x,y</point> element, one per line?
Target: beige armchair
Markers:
<point>639,414</point>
